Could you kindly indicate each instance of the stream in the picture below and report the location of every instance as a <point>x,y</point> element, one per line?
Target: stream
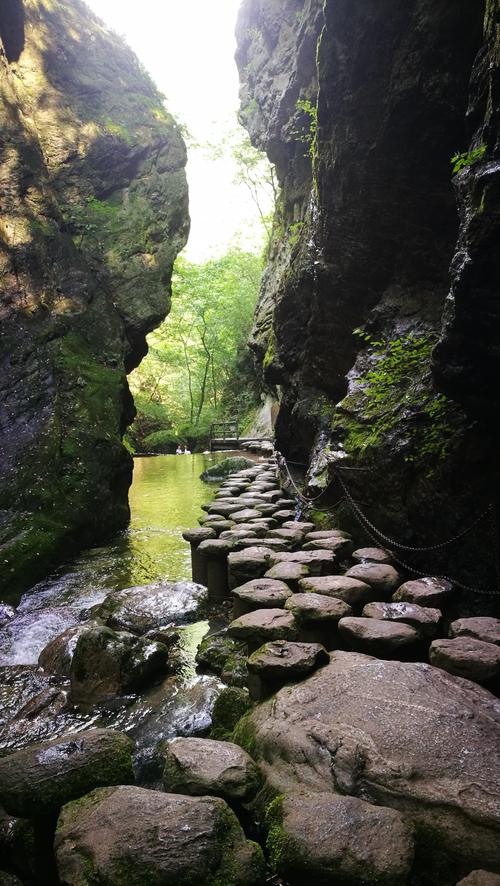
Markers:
<point>165,498</point>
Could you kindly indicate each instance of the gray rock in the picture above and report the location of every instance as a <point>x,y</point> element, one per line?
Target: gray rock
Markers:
<point>377,637</point>
<point>263,625</point>
<point>372,555</point>
<point>216,649</point>
<point>480,878</point>
<point>198,534</point>
<point>289,573</point>
<point>298,524</point>
<point>57,656</point>
<point>318,562</point>
<point>108,663</point>
<point>200,766</point>
<point>231,704</point>
<point>399,734</point>
<point>382,578</point>
<point>317,608</point>
<point>426,591</point>
<point>140,609</point>
<point>423,618</point>
<point>285,514</point>
<point>245,514</point>
<point>323,838</point>
<point>466,657</point>
<point>350,590</point>
<point>228,467</point>
<point>326,533</point>
<point>479,628</point>
<point>342,547</point>
<point>38,780</point>
<point>261,593</point>
<point>132,835</point>
<point>243,566</point>
<point>286,660</point>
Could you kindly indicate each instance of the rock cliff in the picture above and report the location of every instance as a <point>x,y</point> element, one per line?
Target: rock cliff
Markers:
<point>93,202</point>
<point>382,357</point>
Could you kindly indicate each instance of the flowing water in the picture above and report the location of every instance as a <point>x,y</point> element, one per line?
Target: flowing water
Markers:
<point>165,498</point>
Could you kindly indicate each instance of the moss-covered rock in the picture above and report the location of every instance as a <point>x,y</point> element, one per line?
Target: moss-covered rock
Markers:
<point>230,706</point>
<point>93,214</point>
<point>226,467</point>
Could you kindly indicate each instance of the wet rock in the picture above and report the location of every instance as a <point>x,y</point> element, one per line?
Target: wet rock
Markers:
<point>57,656</point>
<point>289,573</point>
<point>284,660</point>
<point>382,578</point>
<point>215,650</point>
<point>424,591</point>
<point>261,593</point>
<point>38,780</point>
<point>479,628</point>
<point>318,837</point>
<point>108,663</point>
<point>143,608</point>
<point>124,834</point>
<point>377,637</point>
<point>350,590</point>
<point>246,565</point>
<point>318,562</point>
<point>466,657</point>
<point>201,766</point>
<point>372,555</point>
<point>19,685</point>
<point>317,608</point>
<point>6,613</point>
<point>262,625</point>
<point>480,878</point>
<point>232,703</point>
<point>423,618</point>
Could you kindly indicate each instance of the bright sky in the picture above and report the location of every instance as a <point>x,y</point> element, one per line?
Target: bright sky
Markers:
<point>188,48</point>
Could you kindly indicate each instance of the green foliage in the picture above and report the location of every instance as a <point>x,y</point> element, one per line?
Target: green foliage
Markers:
<point>294,232</point>
<point>398,387</point>
<point>198,368</point>
<point>309,135</point>
<point>465,158</point>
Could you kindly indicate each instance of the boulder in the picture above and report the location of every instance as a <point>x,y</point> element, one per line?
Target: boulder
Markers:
<point>479,628</point>
<point>423,618</point>
<point>231,704</point>
<point>316,608</point>
<point>283,660</point>
<point>466,657</point>
<point>426,591</point>
<point>372,555</point>
<point>376,636</point>
<point>132,835</point>
<point>383,578</point>
<point>139,609</point>
<point>399,734</point>
<point>216,650</point>
<point>480,878</point>
<point>350,590</point>
<point>328,839</point>
<point>200,766</point>
<point>108,663</point>
<point>289,573</point>
<point>262,625</point>
<point>261,593</point>
<point>56,657</point>
<point>38,780</point>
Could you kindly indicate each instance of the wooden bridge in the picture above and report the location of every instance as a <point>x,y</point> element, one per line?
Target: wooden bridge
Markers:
<point>226,435</point>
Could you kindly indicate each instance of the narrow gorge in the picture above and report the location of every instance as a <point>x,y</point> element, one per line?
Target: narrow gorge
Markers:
<point>304,687</point>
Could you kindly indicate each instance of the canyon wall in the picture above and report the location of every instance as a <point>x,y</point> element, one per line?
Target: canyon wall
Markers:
<point>382,358</point>
<point>93,201</point>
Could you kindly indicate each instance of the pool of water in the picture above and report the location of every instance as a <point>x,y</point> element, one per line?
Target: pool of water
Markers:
<point>165,498</point>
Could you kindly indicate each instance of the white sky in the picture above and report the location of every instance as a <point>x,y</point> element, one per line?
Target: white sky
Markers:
<point>188,48</point>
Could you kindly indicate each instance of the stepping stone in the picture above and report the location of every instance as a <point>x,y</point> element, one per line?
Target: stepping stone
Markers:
<point>236,534</point>
<point>283,515</point>
<point>290,573</point>
<point>266,509</point>
<point>480,628</point>
<point>223,508</point>
<point>342,547</point>
<point>480,878</point>
<point>215,650</point>
<point>280,662</point>
<point>294,536</point>
<point>326,533</point>
<point>327,838</point>
<point>201,767</point>
<point>254,527</point>
<point>423,618</point>
<point>198,563</point>
<point>351,590</point>
<point>262,625</point>
<point>131,835</point>
<point>318,562</point>
<point>317,617</point>
<point>383,579</point>
<point>372,555</point>
<point>273,495</point>
<point>377,637</point>
<point>266,522</point>
<point>287,503</point>
<point>215,553</point>
<point>298,524</point>
<point>245,515</point>
<point>245,565</point>
<point>274,544</point>
<point>466,657</point>
<point>261,593</point>
<point>424,591</point>
<point>219,524</point>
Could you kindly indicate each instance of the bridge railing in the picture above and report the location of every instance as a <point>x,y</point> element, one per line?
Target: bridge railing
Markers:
<point>225,430</point>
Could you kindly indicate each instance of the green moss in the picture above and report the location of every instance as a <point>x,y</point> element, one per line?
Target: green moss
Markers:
<point>231,705</point>
<point>233,869</point>
<point>283,853</point>
<point>245,735</point>
<point>270,354</point>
